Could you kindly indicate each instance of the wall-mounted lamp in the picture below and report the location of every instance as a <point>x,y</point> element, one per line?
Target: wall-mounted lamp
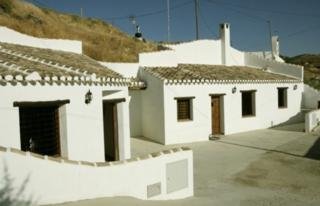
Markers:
<point>234,90</point>
<point>295,87</point>
<point>88,97</point>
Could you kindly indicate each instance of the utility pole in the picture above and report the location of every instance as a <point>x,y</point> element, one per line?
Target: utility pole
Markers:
<point>270,36</point>
<point>168,12</point>
<point>196,9</point>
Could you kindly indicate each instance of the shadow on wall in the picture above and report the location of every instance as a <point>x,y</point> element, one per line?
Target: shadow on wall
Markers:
<point>8,194</point>
<point>294,124</point>
<point>314,151</point>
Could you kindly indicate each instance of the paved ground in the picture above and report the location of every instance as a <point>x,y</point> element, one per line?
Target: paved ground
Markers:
<point>278,166</point>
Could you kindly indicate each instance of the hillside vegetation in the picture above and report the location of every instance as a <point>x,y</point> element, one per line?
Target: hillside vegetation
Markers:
<point>311,63</point>
<point>101,41</point>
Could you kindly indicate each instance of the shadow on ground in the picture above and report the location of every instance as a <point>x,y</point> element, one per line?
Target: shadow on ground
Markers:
<point>314,151</point>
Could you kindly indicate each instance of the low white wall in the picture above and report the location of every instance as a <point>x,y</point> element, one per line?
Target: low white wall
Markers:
<point>52,180</point>
<point>14,37</point>
<point>274,66</point>
<point>127,70</point>
<point>162,58</point>
<point>199,128</point>
<point>82,124</point>
<point>195,52</point>
<point>311,97</point>
<point>312,120</point>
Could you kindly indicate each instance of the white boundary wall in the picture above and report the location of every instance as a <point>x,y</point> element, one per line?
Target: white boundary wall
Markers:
<point>14,37</point>
<point>274,66</point>
<point>127,70</point>
<point>311,97</point>
<point>52,180</point>
<point>312,120</point>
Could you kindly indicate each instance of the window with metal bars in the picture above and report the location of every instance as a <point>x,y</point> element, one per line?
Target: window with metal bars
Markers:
<point>282,97</point>
<point>184,108</point>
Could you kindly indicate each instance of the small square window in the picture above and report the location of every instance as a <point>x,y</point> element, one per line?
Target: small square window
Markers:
<point>282,97</point>
<point>184,108</point>
<point>248,103</point>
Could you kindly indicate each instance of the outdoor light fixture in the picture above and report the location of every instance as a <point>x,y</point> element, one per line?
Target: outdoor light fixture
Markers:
<point>295,87</point>
<point>88,97</point>
<point>234,89</point>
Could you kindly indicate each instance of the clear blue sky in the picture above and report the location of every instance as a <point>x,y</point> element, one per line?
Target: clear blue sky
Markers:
<point>297,22</point>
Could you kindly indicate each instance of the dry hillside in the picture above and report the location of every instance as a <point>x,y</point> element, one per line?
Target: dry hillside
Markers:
<point>311,63</point>
<point>101,41</point>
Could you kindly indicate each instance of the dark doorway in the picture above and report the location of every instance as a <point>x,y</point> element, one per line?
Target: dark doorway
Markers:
<point>318,104</point>
<point>216,114</point>
<point>110,123</point>
<point>39,129</point>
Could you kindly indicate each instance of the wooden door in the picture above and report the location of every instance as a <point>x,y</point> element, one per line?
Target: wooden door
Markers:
<point>110,122</point>
<point>215,113</point>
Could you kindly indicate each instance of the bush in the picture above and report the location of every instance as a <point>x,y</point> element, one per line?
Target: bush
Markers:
<point>6,6</point>
<point>8,196</point>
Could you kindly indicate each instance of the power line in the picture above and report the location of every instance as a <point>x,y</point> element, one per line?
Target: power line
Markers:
<point>266,10</point>
<point>39,3</point>
<point>302,31</point>
<point>206,24</point>
<point>150,13</point>
<point>254,17</point>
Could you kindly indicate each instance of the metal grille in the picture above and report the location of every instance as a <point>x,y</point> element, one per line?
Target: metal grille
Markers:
<point>39,128</point>
<point>183,109</point>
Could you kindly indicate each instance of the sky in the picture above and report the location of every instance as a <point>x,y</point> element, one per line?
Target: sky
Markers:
<point>296,22</point>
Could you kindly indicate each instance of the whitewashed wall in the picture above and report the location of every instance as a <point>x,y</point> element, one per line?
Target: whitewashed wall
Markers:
<point>152,112</point>
<point>274,66</point>
<point>51,180</point>
<point>311,97</point>
<point>81,124</point>
<point>267,112</point>
<point>127,70</point>
<point>14,37</point>
<point>135,108</point>
<point>162,58</point>
<point>312,120</point>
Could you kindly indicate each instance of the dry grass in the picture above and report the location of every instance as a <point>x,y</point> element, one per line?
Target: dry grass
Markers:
<point>101,41</point>
<point>311,63</point>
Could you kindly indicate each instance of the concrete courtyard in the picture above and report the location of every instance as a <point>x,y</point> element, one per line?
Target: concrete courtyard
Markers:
<point>279,166</point>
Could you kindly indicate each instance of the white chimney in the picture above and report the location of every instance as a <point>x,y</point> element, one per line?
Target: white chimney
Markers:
<point>225,43</point>
<point>275,47</point>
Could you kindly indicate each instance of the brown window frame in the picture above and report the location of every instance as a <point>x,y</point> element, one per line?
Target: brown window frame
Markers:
<point>248,111</point>
<point>282,97</point>
<point>183,113</point>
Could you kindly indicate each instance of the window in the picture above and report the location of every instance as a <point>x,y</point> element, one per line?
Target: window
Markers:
<point>318,104</point>
<point>248,103</point>
<point>184,105</point>
<point>282,97</point>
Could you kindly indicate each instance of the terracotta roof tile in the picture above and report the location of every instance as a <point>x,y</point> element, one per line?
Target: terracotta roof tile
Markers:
<point>213,72</point>
<point>48,62</point>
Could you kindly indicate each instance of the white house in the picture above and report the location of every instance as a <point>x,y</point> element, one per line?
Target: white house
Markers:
<point>62,104</point>
<point>65,132</point>
<point>203,88</point>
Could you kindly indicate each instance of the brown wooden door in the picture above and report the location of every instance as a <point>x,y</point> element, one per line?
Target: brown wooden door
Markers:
<point>110,123</point>
<point>215,113</point>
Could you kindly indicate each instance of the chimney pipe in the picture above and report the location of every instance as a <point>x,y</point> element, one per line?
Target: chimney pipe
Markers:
<point>225,43</point>
<point>275,47</point>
